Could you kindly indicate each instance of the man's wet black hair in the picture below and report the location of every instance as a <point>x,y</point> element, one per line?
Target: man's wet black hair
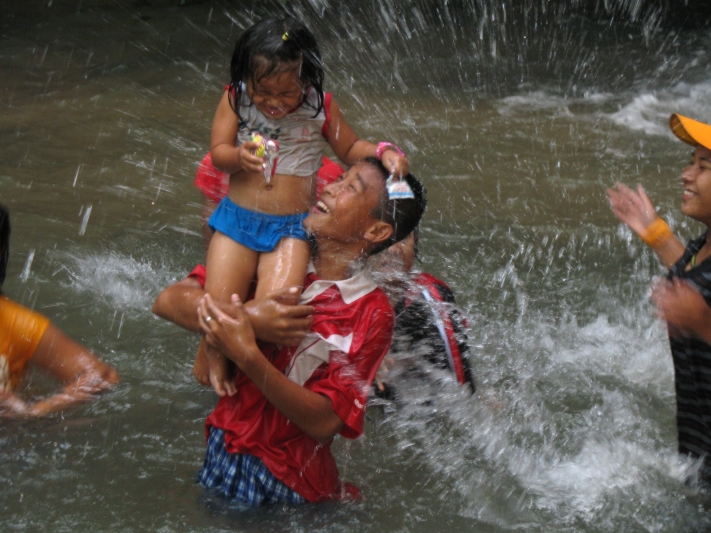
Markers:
<point>403,214</point>
<point>278,42</point>
<point>4,242</point>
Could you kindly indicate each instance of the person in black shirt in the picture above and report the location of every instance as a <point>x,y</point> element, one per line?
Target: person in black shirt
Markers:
<point>679,298</point>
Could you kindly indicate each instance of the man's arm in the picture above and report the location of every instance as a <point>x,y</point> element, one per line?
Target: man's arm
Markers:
<point>179,302</point>
<point>277,318</point>
<point>83,374</point>
<point>233,335</point>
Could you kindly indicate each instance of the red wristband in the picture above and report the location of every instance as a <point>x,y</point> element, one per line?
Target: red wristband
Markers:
<point>387,146</point>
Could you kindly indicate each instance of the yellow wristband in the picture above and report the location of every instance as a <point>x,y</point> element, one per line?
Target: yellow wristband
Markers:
<point>656,233</point>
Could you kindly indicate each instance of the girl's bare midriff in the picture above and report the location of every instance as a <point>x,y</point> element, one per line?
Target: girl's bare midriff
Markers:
<point>286,195</point>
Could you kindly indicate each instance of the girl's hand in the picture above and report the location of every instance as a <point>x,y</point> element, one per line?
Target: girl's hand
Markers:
<point>229,332</point>
<point>11,406</point>
<point>397,164</point>
<point>247,160</point>
<point>634,208</point>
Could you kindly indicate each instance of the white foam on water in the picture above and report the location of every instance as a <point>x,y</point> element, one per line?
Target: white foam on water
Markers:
<point>122,281</point>
<point>580,486</point>
<point>564,410</point>
<point>543,100</point>
<point>640,355</point>
<point>649,112</point>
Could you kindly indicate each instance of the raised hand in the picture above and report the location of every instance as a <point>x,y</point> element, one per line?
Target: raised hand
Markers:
<point>397,164</point>
<point>634,208</point>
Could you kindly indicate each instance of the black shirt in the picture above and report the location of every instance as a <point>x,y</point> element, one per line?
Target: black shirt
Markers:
<point>692,368</point>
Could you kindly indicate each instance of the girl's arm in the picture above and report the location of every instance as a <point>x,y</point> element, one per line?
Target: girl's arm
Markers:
<point>350,149</point>
<point>636,210</point>
<point>225,155</point>
<point>82,373</point>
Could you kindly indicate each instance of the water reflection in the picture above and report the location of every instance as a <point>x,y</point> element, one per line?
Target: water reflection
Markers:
<point>515,117</point>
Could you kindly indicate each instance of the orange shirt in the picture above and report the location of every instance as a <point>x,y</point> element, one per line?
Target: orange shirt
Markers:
<point>21,330</point>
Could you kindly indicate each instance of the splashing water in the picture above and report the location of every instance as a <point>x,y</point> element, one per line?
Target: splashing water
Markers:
<point>515,115</point>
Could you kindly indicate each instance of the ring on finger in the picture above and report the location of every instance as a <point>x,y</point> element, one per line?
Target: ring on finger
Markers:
<point>208,318</point>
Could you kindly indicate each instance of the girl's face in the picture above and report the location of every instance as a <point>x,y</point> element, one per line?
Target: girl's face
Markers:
<point>276,95</point>
<point>696,179</point>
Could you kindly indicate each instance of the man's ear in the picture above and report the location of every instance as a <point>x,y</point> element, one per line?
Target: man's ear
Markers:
<point>378,232</point>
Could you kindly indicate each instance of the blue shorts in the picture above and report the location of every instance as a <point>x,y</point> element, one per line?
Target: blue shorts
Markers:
<point>242,478</point>
<point>257,231</point>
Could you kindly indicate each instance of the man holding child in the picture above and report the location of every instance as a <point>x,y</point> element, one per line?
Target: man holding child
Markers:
<point>270,441</point>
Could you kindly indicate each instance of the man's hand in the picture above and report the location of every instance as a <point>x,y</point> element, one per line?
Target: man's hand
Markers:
<point>684,309</point>
<point>228,331</point>
<point>279,319</point>
<point>381,376</point>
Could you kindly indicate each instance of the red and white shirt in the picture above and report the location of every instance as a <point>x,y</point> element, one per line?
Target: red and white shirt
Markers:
<point>351,333</point>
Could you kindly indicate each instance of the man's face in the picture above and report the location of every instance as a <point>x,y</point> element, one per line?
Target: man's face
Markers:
<point>345,210</point>
<point>696,180</point>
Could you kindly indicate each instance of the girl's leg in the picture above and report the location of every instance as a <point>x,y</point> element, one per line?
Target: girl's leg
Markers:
<point>283,267</point>
<point>208,206</point>
<point>231,268</point>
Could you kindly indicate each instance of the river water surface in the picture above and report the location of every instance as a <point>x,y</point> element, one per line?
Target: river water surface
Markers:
<point>515,120</point>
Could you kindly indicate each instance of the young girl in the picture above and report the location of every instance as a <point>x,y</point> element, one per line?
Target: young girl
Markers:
<point>275,91</point>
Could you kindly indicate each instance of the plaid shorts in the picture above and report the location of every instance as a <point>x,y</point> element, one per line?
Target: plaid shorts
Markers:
<point>242,478</point>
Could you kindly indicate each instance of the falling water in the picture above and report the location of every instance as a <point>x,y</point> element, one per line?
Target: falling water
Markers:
<point>516,115</point>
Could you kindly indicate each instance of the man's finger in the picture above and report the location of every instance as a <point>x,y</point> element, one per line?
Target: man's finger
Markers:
<point>287,295</point>
<point>299,311</point>
<point>300,324</point>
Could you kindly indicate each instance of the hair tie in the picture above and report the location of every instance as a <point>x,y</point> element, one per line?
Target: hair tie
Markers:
<point>285,37</point>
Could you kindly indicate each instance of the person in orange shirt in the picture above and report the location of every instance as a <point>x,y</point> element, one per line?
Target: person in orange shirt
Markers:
<point>28,336</point>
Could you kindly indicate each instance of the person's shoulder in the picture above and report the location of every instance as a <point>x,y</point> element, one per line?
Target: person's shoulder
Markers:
<point>437,288</point>
<point>373,310</point>
<point>373,299</point>
<point>424,278</point>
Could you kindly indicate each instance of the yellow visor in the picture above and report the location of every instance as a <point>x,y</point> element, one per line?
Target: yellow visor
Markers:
<point>691,131</point>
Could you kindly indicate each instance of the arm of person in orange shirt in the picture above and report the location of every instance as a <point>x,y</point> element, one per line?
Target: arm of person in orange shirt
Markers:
<point>81,372</point>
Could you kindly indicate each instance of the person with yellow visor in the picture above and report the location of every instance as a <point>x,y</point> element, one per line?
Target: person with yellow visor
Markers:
<point>684,298</point>
<point>26,336</point>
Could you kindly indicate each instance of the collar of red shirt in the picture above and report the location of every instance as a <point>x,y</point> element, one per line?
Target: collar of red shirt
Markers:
<point>351,289</point>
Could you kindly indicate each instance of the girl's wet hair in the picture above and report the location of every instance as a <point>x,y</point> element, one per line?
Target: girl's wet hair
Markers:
<point>4,242</point>
<point>272,46</point>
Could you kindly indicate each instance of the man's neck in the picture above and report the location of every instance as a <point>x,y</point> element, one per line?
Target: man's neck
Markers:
<point>335,261</point>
